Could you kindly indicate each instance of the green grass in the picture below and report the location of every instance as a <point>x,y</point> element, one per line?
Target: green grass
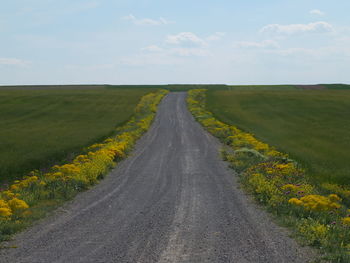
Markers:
<point>336,86</point>
<point>43,125</point>
<point>310,125</point>
<point>262,87</point>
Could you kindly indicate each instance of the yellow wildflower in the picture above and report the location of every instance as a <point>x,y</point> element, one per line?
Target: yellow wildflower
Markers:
<point>290,187</point>
<point>14,187</point>
<point>334,198</point>
<point>7,195</point>
<point>346,221</point>
<point>318,203</point>
<point>5,212</point>
<point>295,201</point>
<point>3,203</point>
<point>17,204</point>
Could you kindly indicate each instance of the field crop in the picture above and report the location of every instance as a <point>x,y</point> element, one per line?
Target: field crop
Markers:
<point>42,125</point>
<point>312,126</point>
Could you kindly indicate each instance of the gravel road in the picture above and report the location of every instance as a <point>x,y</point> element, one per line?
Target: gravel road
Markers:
<point>172,200</point>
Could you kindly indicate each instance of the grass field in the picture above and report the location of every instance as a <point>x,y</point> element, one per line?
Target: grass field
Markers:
<point>44,125</point>
<point>311,125</point>
<point>262,87</point>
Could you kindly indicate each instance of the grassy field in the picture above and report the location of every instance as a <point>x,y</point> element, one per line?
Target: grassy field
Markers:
<point>178,87</point>
<point>311,125</point>
<point>44,125</point>
<point>337,86</point>
<point>262,87</point>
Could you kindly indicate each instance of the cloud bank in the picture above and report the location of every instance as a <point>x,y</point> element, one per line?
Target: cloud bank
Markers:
<point>185,38</point>
<point>316,27</point>
<point>317,12</point>
<point>252,44</point>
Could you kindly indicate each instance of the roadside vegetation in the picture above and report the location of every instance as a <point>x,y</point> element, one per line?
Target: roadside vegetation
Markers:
<point>318,215</point>
<point>312,126</point>
<point>31,197</point>
<point>42,125</point>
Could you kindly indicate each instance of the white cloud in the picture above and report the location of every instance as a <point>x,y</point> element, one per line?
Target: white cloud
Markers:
<point>146,21</point>
<point>216,36</point>
<point>251,44</point>
<point>164,56</point>
<point>13,62</point>
<point>185,38</point>
<point>316,27</point>
<point>152,48</point>
<point>188,52</point>
<point>316,12</point>
<point>174,50</point>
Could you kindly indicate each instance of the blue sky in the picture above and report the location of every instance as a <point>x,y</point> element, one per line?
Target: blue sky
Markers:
<point>158,42</point>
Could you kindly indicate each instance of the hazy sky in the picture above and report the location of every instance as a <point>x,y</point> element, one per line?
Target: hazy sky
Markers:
<point>178,41</point>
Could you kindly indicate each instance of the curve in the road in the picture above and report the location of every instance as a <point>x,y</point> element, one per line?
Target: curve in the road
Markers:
<point>172,200</point>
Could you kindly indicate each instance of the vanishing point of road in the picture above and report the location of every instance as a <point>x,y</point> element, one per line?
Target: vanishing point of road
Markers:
<point>173,200</point>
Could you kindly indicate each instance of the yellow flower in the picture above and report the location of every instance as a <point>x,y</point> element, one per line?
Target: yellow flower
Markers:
<point>7,195</point>
<point>57,174</point>
<point>81,159</point>
<point>290,187</point>
<point>319,203</point>
<point>3,203</point>
<point>5,212</point>
<point>346,221</point>
<point>17,204</point>
<point>295,201</point>
<point>334,198</point>
<point>14,187</point>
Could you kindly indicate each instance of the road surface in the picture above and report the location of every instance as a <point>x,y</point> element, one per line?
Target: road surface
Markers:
<point>172,200</point>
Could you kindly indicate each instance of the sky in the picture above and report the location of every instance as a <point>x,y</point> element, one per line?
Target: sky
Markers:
<point>174,41</point>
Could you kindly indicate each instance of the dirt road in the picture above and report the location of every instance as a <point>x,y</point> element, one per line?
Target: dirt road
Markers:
<point>172,200</point>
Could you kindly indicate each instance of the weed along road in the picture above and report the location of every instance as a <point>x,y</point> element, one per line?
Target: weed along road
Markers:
<point>172,200</point>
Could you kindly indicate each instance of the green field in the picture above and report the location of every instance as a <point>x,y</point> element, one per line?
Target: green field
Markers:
<point>310,125</point>
<point>43,125</point>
